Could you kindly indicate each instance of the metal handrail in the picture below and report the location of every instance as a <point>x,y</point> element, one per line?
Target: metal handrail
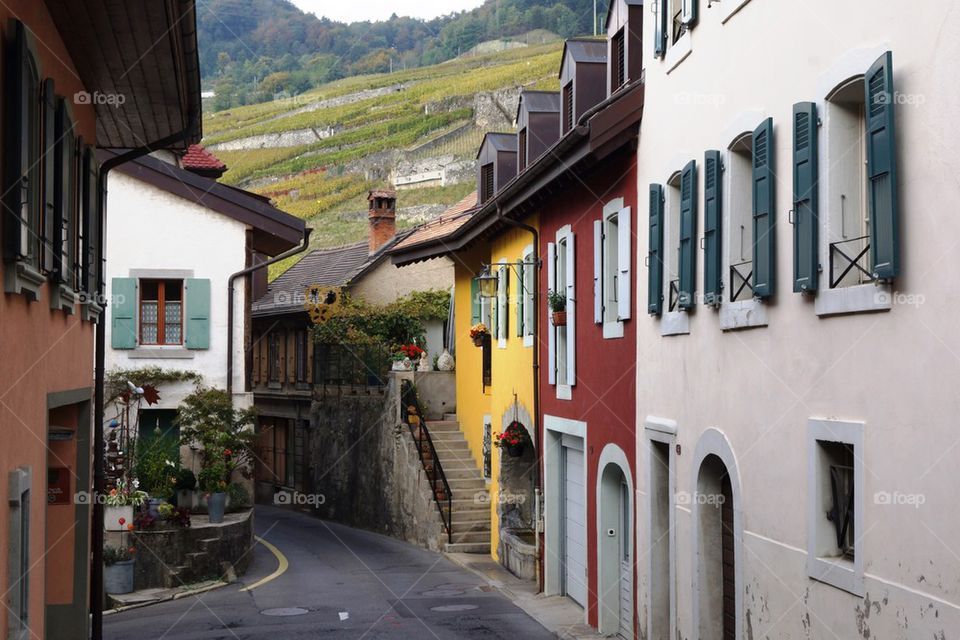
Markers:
<point>736,273</point>
<point>852,263</point>
<point>432,467</point>
<point>674,297</point>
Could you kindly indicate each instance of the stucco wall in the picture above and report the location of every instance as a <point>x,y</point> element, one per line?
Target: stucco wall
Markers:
<point>149,229</point>
<point>385,283</point>
<point>893,370</point>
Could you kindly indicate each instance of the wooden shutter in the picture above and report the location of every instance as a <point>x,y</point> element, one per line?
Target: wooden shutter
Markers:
<point>503,297</point>
<point>255,374</point>
<point>764,214</point>
<point>91,223</point>
<point>598,271</point>
<point>882,169</point>
<point>624,259</point>
<point>291,353</point>
<point>551,330</point>
<point>571,312</point>
<point>520,298</point>
<point>805,209</point>
<point>568,107</point>
<point>688,231</point>
<point>655,252</point>
<point>712,234</point>
<point>123,313</point>
<point>49,174</point>
<point>660,29</point>
<point>64,200</point>
<point>474,301</point>
<point>522,150</point>
<point>197,297</point>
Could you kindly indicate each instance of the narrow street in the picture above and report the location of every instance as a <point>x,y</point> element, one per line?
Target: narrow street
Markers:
<point>341,582</point>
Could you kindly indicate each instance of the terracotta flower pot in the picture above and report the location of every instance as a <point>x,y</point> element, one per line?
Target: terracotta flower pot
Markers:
<point>478,341</point>
<point>559,318</point>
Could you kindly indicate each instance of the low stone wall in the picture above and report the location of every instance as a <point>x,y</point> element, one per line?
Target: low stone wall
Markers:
<point>364,470</point>
<point>174,557</point>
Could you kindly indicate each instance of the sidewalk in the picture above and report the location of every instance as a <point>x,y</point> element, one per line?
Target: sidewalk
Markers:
<point>557,614</point>
<point>145,597</point>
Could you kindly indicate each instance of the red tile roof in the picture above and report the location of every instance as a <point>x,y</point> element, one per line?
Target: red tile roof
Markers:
<point>442,226</point>
<point>199,160</point>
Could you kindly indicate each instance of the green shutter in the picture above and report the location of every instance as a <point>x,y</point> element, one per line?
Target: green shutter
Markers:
<point>474,301</point>
<point>520,297</point>
<point>806,264</point>
<point>91,222</point>
<point>688,231</point>
<point>882,170</point>
<point>49,173</point>
<point>123,307</point>
<point>655,252</point>
<point>660,29</point>
<point>712,234</point>
<point>764,214</point>
<point>198,313</point>
<point>19,104</point>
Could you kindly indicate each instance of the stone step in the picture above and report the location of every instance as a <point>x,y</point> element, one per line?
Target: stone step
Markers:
<point>450,417</point>
<point>443,426</point>
<point>460,472</point>
<point>447,436</point>
<point>460,535</point>
<point>467,547</point>
<point>470,525</point>
<point>468,484</point>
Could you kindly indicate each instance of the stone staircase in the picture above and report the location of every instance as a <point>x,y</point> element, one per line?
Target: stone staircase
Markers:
<point>471,506</point>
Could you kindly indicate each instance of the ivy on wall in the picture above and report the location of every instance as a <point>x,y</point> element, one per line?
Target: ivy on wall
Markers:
<point>392,325</point>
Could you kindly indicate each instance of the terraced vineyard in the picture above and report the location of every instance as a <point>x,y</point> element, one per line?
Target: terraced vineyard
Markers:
<point>317,154</point>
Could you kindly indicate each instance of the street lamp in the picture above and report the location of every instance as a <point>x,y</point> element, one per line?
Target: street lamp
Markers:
<point>487,283</point>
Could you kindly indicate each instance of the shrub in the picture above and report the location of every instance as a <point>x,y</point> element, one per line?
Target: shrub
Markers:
<point>156,464</point>
<point>239,497</point>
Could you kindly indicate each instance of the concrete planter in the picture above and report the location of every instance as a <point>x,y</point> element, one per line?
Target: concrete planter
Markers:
<point>216,505</point>
<point>402,365</point>
<point>113,515</point>
<point>118,577</point>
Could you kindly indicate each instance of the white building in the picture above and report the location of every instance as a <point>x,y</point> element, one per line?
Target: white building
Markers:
<point>193,234</point>
<point>781,142</point>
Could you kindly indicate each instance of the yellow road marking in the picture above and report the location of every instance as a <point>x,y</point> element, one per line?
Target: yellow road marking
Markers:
<point>281,568</point>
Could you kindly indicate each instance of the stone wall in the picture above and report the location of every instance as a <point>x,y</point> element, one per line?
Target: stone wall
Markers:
<point>363,467</point>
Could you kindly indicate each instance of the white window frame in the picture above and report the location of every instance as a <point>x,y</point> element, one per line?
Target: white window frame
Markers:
<point>19,487</point>
<point>528,284</point>
<point>565,235</point>
<point>838,572</point>
<point>503,307</point>
<point>676,322</point>
<point>612,297</point>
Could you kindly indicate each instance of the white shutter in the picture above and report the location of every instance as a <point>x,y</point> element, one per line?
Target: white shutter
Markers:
<point>624,257</point>
<point>688,11</point>
<point>598,271</point>
<point>551,332</point>
<point>571,313</point>
<point>501,304</point>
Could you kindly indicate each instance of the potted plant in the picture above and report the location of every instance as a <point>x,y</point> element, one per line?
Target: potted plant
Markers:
<point>185,486</point>
<point>514,438</point>
<point>224,438</point>
<point>558,305</point>
<point>118,569</point>
<point>404,357</point>
<point>479,333</point>
<point>120,503</point>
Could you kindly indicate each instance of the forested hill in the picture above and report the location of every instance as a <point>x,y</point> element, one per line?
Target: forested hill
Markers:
<point>250,50</point>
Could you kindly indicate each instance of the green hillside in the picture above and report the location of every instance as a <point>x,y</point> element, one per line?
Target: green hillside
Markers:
<point>428,113</point>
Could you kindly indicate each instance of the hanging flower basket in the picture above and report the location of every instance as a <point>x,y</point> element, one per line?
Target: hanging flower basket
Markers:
<point>478,334</point>
<point>514,438</point>
<point>559,318</point>
<point>515,450</point>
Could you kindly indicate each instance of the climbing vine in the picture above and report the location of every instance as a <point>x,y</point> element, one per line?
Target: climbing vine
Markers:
<point>115,381</point>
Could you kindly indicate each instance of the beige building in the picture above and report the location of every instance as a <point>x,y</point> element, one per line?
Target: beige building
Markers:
<point>796,401</point>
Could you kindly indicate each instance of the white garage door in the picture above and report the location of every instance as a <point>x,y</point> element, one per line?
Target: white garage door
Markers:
<point>574,520</point>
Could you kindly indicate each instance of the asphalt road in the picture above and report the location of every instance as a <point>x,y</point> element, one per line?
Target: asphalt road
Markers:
<point>341,583</point>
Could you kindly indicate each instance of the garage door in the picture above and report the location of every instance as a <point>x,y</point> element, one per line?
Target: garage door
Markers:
<point>574,520</point>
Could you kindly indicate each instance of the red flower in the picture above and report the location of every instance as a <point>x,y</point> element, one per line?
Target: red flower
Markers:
<point>227,452</point>
<point>122,521</point>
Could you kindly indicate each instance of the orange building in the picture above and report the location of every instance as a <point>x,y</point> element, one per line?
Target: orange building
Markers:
<point>77,75</point>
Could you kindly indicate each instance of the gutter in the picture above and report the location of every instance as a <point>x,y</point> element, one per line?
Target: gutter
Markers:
<point>99,479</point>
<point>303,246</point>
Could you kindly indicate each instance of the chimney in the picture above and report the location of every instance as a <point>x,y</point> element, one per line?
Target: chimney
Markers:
<point>382,217</point>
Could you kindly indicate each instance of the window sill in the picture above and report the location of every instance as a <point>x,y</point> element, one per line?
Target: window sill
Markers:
<point>91,311</point>
<point>528,340</point>
<point>23,279</point>
<point>502,343</point>
<point>564,392</point>
<point>63,298</point>
<point>678,52</point>
<point>674,323</point>
<point>743,314</point>
<point>837,572</point>
<point>730,7</point>
<point>863,298</point>
<point>160,353</point>
<point>613,329</point>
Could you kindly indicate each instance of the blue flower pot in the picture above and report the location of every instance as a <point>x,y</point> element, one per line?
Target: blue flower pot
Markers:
<point>216,505</point>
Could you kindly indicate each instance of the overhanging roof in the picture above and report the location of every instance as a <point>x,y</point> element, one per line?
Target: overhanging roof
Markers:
<point>584,50</point>
<point>143,50</point>
<point>499,141</point>
<point>274,231</point>
<point>602,130</point>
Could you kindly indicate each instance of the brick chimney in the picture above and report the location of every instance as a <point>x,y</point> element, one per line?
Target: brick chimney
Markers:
<point>382,217</point>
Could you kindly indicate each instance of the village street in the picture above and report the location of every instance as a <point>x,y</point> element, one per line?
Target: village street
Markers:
<point>341,582</point>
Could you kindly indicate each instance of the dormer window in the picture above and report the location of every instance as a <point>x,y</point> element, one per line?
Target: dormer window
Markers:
<point>618,66</point>
<point>486,182</point>
<point>568,107</point>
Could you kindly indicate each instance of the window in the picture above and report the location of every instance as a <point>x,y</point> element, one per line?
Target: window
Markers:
<point>671,259</point>
<point>486,182</point>
<point>848,234</point>
<point>835,504</point>
<point>567,107</point>
<point>273,357</point>
<point>561,331</point>
<point>522,150</point>
<point>503,293</point>
<point>301,347</point>
<point>161,312</point>
<point>618,67</point>
<point>561,336</point>
<point>529,284</point>
<point>65,198</point>
<point>611,278</point>
<point>18,590</point>
<point>674,18</point>
<point>740,242</point>
<point>90,224</point>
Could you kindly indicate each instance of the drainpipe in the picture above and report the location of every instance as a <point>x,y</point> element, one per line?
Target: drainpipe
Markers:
<point>537,477</point>
<point>303,246</point>
<point>99,480</point>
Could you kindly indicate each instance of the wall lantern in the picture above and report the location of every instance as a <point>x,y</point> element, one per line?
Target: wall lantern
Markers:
<point>487,283</point>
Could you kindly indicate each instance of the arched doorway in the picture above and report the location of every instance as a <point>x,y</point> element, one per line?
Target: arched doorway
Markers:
<point>516,500</point>
<point>615,548</point>
<point>716,552</point>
